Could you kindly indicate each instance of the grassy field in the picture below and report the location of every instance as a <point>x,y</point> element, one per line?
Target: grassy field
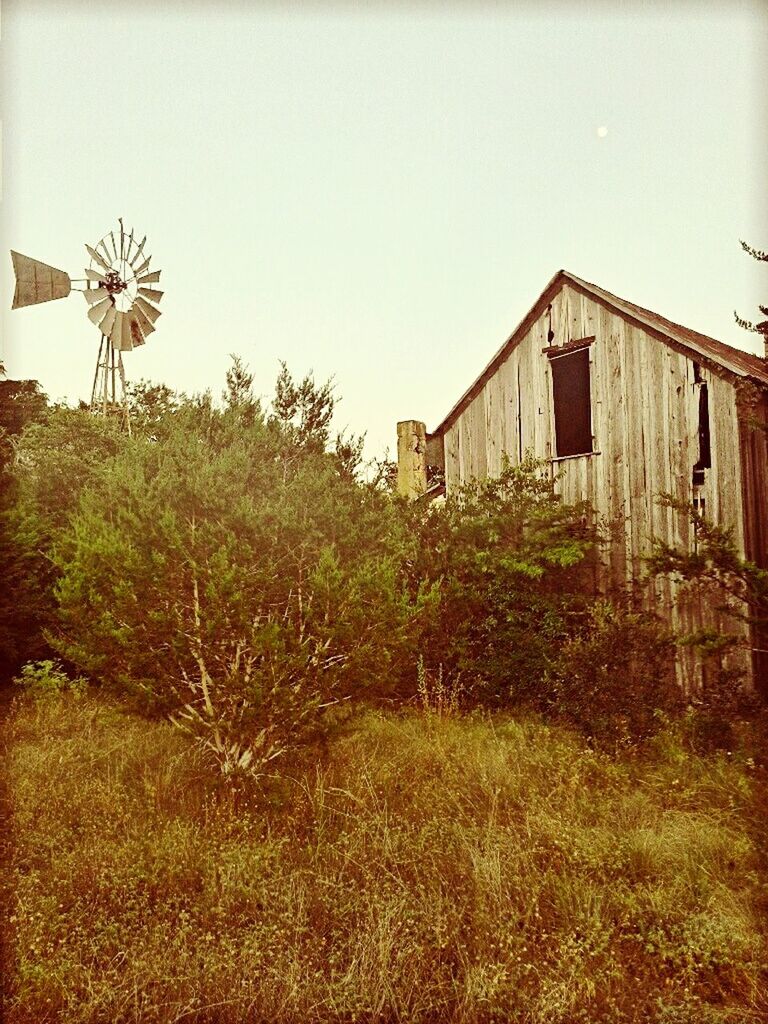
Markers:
<point>423,869</point>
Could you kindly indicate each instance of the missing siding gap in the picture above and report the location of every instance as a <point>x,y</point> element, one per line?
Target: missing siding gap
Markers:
<point>705,448</point>
<point>700,505</point>
<point>550,332</point>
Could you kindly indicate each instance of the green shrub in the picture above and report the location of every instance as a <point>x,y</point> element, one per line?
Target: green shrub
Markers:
<point>506,564</point>
<point>236,576</point>
<point>614,674</point>
<point>45,679</point>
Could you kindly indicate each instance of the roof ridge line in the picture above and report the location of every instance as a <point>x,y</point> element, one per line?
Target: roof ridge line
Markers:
<point>745,364</point>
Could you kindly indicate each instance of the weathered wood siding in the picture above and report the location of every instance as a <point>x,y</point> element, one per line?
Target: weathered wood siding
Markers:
<point>753,433</point>
<point>645,421</point>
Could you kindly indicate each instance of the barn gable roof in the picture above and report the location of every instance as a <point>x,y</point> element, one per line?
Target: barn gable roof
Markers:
<point>717,353</point>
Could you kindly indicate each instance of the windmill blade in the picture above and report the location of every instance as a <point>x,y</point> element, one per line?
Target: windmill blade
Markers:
<point>114,244</point>
<point>146,308</point>
<point>96,313</point>
<point>150,278</point>
<point>122,238</point>
<point>137,336</point>
<point>116,331</point>
<point>108,321</point>
<point>103,244</point>
<point>95,275</point>
<point>95,294</point>
<point>138,253</point>
<point>126,341</point>
<point>128,250</point>
<point>144,322</point>
<point>142,268</point>
<point>151,293</point>
<point>37,282</point>
<point>98,259</point>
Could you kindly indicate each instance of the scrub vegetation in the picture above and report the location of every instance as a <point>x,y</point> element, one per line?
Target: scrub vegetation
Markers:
<point>288,748</point>
<point>423,867</point>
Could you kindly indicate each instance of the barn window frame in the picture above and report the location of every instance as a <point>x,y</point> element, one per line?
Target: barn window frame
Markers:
<point>579,354</point>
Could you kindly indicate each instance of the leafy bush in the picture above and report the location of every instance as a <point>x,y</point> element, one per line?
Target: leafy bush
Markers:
<point>54,460</point>
<point>738,589</point>
<point>614,674</point>
<point>44,679</point>
<point>507,567</point>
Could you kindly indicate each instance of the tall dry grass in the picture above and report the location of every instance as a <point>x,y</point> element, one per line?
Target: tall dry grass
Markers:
<point>430,869</point>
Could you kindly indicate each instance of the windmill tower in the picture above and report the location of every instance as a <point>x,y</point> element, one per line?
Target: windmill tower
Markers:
<point>121,304</point>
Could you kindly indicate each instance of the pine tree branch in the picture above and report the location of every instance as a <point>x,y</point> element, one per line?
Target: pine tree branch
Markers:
<point>758,254</point>
<point>746,325</point>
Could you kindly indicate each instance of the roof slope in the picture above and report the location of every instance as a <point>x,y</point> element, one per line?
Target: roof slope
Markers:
<point>735,361</point>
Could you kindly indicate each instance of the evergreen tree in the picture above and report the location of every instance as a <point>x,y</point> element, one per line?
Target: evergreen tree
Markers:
<point>222,566</point>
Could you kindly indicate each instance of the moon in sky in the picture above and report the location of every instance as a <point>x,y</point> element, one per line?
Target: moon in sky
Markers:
<point>602,131</point>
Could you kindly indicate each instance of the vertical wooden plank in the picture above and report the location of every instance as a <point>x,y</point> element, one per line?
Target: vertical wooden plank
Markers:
<point>542,402</point>
<point>602,432</point>
<point>560,317</point>
<point>680,465</point>
<point>580,323</point>
<point>479,445</point>
<point>726,467</point>
<point>629,440</point>
<point>462,445</point>
<point>527,396</point>
<point>656,396</point>
<point>491,432</point>
<point>648,386</point>
<point>452,461</point>
<point>590,317</point>
<point>508,411</point>
<point>613,442</point>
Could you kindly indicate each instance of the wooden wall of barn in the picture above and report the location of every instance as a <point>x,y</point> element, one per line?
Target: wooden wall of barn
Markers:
<point>645,422</point>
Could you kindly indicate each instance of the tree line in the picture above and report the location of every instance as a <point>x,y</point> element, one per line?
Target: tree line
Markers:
<point>234,566</point>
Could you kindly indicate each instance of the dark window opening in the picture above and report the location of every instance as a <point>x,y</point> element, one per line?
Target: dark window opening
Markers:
<point>705,450</point>
<point>573,408</point>
<point>697,378</point>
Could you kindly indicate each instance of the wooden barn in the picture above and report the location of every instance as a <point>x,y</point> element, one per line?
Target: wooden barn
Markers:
<point>624,405</point>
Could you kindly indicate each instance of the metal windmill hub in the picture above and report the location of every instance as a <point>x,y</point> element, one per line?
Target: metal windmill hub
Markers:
<point>113,283</point>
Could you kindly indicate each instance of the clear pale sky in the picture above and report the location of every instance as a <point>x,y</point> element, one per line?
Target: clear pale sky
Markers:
<point>381,192</point>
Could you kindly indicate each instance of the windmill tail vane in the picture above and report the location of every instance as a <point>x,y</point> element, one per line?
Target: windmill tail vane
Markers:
<point>120,305</point>
<point>37,282</point>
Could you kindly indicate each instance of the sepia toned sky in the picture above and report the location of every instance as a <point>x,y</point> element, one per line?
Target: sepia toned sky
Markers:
<point>378,192</point>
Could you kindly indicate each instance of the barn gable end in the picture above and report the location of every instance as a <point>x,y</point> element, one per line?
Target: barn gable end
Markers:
<point>672,412</point>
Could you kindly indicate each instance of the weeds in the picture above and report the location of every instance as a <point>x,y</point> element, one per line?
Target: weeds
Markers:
<point>473,871</point>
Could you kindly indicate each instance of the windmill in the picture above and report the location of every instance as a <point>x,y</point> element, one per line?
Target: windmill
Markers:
<point>121,304</point>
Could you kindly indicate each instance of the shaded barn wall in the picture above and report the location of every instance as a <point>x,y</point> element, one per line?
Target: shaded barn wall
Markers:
<point>753,430</point>
<point>645,425</point>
